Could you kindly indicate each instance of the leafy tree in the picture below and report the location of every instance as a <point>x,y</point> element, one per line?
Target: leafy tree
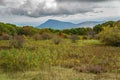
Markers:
<point>117,24</point>
<point>98,28</point>
<point>45,30</point>
<point>110,36</point>
<point>8,29</point>
<point>12,29</point>
<point>28,30</point>
<point>77,31</point>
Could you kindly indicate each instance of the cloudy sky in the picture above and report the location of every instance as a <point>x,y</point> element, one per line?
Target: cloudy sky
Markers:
<point>35,12</point>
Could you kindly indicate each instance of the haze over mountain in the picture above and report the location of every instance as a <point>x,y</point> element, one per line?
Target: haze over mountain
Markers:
<point>56,24</point>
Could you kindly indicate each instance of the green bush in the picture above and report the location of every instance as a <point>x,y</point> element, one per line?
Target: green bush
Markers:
<point>24,59</point>
<point>110,36</point>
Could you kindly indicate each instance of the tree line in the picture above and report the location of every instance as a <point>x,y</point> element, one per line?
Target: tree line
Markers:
<point>108,32</point>
<point>12,29</point>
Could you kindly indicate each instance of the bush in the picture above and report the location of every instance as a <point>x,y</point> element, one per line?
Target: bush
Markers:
<point>24,60</point>
<point>43,36</point>
<point>110,36</point>
<point>94,69</point>
<point>17,41</point>
<point>37,37</point>
<point>84,37</point>
<point>74,38</point>
<point>57,40</point>
<point>65,36</point>
<point>46,36</point>
<point>5,37</point>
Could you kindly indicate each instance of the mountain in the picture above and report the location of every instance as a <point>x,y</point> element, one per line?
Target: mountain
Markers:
<point>89,23</point>
<point>56,24</point>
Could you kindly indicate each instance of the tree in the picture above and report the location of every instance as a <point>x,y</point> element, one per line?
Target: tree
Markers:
<point>110,36</point>
<point>98,28</point>
<point>29,30</point>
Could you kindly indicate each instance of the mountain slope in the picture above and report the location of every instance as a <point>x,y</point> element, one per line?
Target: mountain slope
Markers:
<point>88,24</point>
<point>56,24</point>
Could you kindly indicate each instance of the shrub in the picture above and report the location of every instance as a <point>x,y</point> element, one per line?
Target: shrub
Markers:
<point>37,37</point>
<point>46,36</point>
<point>80,69</point>
<point>84,37</point>
<point>5,37</point>
<point>94,69</point>
<point>57,40</point>
<point>65,35</point>
<point>17,41</point>
<point>91,34</point>
<point>74,38</point>
<point>110,36</point>
<point>23,60</point>
<point>43,36</point>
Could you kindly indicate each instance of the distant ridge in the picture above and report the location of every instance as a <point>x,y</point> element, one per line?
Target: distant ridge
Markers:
<point>56,24</point>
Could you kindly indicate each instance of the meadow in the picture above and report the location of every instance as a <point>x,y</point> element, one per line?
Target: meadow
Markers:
<point>29,53</point>
<point>44,60</point>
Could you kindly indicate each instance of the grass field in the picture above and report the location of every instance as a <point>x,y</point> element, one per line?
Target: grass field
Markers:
<point>58,73</point>
<point>44,60</point>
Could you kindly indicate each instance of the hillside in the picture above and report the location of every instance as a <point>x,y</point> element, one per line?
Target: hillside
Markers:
<point>56,24</point>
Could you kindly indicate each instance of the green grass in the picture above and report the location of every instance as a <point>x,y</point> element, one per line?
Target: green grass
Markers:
<point>3,77</point>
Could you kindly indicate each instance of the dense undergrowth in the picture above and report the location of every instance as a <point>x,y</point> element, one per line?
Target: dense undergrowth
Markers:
<point>83,56</point>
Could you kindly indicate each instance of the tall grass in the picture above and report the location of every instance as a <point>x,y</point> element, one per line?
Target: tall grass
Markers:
<point>24,59</point>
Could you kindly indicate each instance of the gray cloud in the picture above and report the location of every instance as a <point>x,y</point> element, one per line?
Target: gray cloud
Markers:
<point>84,0</point>
<point>35,8</point>
<point>2,2</point>
<point>50,8</point>
<point>61,9</point>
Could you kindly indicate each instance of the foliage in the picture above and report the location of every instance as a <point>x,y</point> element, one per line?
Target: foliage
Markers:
<point>98,28</point>
<point>8,29</point>
<point>37,37</point>
<point>77,31</point>
<point>5,37</point>
<point>28,30</point>
<point>57,40</point>
<point>43,55</point>
<point>46,36</point>
<point>42,51</point>
<point>12,29</point>
<point>17,41</point>
<point>22,60</point>
<point>110,36</point>
<point>74,38</point>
